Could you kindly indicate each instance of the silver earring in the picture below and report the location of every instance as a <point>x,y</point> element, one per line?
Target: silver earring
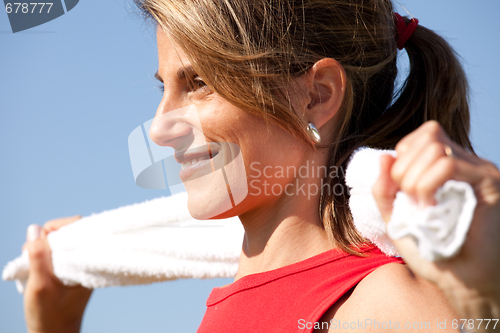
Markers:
<point>314,133</point>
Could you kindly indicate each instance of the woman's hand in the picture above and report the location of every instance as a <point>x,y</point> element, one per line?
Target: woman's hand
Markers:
<point>49,306</point>
<point>470,280</point>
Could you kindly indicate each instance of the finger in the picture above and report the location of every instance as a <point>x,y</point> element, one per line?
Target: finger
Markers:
<point>55,224</point>
<point>432,131</point>
<point>427,156</point>
<point>415,146</point>
<point>40,271</point>
<point>427,132</point>
<point>384,190</point>
<point>440,172</point>
<point>460,153</point>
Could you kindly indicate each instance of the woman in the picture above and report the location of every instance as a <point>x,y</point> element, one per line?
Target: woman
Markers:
<point>263,77</point>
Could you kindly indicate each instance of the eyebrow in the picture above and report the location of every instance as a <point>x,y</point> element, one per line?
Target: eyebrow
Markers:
<point>182,73</point>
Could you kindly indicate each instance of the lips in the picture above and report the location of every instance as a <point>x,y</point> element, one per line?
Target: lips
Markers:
<point>193,162</point>
<point>195,159</point>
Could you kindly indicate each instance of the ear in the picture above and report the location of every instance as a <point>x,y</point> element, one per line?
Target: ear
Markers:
<point>326,83</point>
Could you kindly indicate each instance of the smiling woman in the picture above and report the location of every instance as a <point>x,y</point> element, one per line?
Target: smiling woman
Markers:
<point>265,89</point>
<point>246,56</point>
<point>253,86</point>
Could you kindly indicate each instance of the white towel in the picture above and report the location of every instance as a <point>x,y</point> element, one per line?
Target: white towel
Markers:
<point>158,240</point>
<point>439,230</point>
<point>361,174</point>
<point>153,241</point>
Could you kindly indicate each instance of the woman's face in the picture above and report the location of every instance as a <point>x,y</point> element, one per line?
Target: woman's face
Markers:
<point>231,160</point>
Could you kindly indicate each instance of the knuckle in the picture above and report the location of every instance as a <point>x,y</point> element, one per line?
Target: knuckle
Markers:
<point>493,176</point>
<point>37,250</point>
<point>435,149</point>
<point>408,187</point>
<point>431,135</point>
<point>434,131</point>
<point>433,126</point>
<point>424,189</point>
<point>39,289</point>
<point>401,146</point>
<point>43,289</point>
<point>49,224</point>
<point>396,173</point>
<point>496,184</point>
<point>493,169</point>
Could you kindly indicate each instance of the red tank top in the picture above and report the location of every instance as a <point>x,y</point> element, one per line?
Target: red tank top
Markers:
<point>285,299</point>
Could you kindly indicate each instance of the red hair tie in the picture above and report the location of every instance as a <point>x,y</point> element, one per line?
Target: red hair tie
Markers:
<point>404,31</point>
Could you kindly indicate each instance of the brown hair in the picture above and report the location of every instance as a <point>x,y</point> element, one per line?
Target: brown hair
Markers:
<point>246,51</point>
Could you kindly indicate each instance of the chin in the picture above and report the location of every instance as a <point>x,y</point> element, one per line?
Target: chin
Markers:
<point>209,206</point>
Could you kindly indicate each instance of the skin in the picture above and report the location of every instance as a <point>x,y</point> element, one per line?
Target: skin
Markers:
<point>470,280</point>
<point>283,229</point>
<point>279,229</point>
<point>50,306</point>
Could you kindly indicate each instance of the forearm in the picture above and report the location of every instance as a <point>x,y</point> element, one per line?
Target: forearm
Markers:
<point>471,304</point>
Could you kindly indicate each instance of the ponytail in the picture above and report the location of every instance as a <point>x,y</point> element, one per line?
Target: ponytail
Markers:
<point>435,89</point>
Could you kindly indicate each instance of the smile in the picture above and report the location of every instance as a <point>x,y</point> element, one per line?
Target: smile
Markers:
<point>197,160</point>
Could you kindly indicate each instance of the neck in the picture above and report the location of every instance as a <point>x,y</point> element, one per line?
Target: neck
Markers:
<point>284,231</point>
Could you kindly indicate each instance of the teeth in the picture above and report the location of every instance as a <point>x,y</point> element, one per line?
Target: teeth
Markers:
<point>193,161</point>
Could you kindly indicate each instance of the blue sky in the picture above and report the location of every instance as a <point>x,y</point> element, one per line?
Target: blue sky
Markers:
<point>73,89</point>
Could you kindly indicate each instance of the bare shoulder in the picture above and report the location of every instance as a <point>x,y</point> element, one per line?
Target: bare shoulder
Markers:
<point>393,290</point>
<point>392,298</point>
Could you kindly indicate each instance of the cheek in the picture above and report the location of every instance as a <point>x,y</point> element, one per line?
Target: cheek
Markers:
<point>223,124</point>
<point>220,190</point>
<point>271,172</point>
<point>255,156</point>
<point>273,163</point>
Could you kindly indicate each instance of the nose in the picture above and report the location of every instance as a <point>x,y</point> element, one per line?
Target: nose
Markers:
<point>171,126</point>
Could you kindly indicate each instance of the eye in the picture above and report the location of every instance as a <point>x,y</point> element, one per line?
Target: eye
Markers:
<point>198,88</point>
<point>197,83</point>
